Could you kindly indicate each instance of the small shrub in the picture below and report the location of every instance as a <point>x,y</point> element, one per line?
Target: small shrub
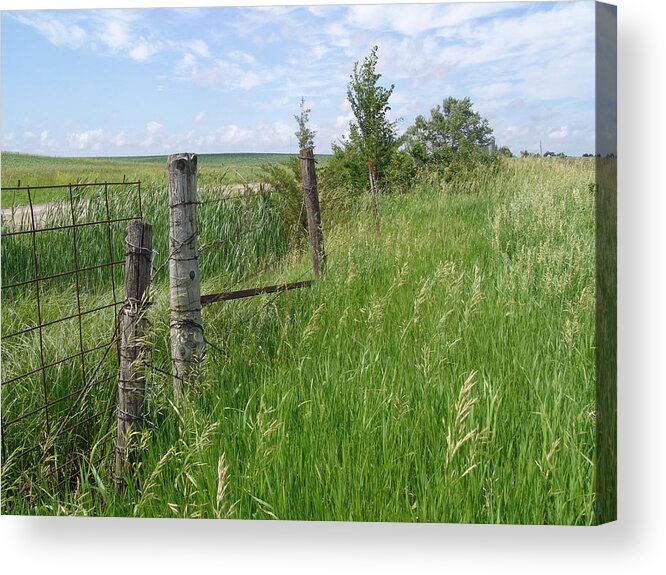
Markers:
<point>284,182</point>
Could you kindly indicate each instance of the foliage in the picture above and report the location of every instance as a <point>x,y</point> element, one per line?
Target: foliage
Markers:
<point>345,173</point>
<point>284,181</point>
<point>372,137</point>
<point>401,171</point>
<point>454,134</point>
<point>304,134</point>
<point>504,152</point>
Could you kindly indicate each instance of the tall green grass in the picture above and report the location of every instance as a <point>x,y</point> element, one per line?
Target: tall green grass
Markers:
<point>441,370</point>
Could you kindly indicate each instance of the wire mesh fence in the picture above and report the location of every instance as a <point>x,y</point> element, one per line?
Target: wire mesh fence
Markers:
<point>63,296</point>
<point>62,270</point>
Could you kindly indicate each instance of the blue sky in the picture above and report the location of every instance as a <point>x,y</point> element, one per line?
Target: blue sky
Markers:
<point>209,80</point>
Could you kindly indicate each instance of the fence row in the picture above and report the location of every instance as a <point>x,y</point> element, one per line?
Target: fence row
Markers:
<point>67,395</point>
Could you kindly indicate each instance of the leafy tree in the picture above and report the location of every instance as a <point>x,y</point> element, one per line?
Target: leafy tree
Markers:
<point>454,131</point>
<point>304,134</point>
<point>372,137</point>
<point>505,152</point>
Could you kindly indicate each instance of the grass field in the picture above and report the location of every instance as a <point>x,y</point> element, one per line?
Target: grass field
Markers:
<point>441,370</point>
<point>31,170</point>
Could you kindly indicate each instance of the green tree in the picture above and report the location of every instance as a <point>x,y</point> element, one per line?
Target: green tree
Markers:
<point>372,137</point>
<point>304,134</point>
<point>453,131</point>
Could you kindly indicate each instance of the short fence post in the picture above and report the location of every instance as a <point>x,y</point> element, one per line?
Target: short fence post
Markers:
<point>133,349</point>
<point>315,233</point>
<point>187,336</point>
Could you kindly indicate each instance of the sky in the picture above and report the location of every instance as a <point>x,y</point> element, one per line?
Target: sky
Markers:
<point>120,82</point>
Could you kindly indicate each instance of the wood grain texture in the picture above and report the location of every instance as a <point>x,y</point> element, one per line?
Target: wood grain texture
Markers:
<point>311,196</point>
<point>187,337</point>
<point>133,349</point>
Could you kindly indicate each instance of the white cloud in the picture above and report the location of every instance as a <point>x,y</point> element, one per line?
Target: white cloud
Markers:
<point>154,134</point>
<point>119,140</point>
<point>412,20</point>
<point>342,120</point>
<point>559,134</point>
<point>198,47</point>
<point>46,142</point>
<point>143,49</point>
<point>86,140</point>
<point>338,34</point>
<point>421,59</point>
<point>319,11</point>
<point>512,132</point>
<point>242,57</point>
<point>319,51</point>
<point>118,32</point>
<point>341,123</point>
<point>258,137</point>
<point>59,31</point>
<point>250,79</point>
<point>186,66</point>
<point>199,117</point>
<point>237,72</point>
<point>115,33</point>
<point>493,90</point>
<point>536,36</point>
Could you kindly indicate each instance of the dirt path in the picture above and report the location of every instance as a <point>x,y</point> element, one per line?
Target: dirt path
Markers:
<point>18,217</point>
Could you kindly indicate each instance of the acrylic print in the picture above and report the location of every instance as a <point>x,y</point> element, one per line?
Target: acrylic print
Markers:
<point>346,262</point>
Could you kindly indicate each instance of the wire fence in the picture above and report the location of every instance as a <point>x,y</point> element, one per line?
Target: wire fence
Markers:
<point>60,324</point>
<point>62,287</point>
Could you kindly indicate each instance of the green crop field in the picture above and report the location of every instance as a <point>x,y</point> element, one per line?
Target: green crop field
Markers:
<point>441,370</point>
<point>32,170</point>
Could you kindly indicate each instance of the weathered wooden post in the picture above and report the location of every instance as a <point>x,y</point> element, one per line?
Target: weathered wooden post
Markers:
<point>187,337</point>
<point>315,233</point>
<point>132,372</point>
<point>373,192</point>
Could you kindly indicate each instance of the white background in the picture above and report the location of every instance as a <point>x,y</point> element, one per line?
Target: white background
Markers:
<point>633,544</point>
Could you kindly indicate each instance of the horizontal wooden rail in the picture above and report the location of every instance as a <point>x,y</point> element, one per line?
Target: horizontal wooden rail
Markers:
<point>225,296</point>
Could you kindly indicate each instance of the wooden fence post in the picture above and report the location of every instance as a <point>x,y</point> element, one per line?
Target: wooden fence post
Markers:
<point>373,192</point>
<point>187,336</point>
<point>133,349</point>
<point>315,233</point>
